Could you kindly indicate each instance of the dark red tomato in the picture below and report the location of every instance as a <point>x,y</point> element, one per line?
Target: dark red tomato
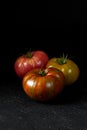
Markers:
<point>43,84</point>
<point>29,61</point>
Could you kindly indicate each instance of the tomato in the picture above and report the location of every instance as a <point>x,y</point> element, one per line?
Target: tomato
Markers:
<point>29,61</point>
<point>43,84</point>
<point>69,68</point>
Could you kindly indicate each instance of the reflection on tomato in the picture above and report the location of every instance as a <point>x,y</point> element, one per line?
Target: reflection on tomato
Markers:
<point>68,67</point>
<point>43,84</point>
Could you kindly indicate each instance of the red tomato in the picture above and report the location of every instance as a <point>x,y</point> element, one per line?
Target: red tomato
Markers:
<point>43,84</point>
<point>29,61</point>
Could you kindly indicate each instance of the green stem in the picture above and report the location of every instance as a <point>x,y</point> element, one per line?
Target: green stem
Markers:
<point>42,73</point>
<point>62,60</point>
<point>29,54</point>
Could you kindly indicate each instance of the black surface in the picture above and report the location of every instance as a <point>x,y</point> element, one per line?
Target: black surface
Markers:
<point>67,112</point>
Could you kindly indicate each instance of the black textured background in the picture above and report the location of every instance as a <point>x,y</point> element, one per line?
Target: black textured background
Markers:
<point>56,28</point>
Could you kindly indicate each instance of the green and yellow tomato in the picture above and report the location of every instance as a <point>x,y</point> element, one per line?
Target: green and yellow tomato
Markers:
<point>69,68</point>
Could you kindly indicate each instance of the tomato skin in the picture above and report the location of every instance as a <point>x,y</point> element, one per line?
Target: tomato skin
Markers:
<point>70,69</point>
<point>43,87</point>
<point>23,63</point>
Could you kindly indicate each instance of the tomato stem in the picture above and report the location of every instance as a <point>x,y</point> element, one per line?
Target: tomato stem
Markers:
<point>29,54</point>
<point>62,60</point>
<point>42,73</point>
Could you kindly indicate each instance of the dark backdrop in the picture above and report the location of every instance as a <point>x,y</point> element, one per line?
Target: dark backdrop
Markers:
<point>55,27</point>
<point>50,13</point>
